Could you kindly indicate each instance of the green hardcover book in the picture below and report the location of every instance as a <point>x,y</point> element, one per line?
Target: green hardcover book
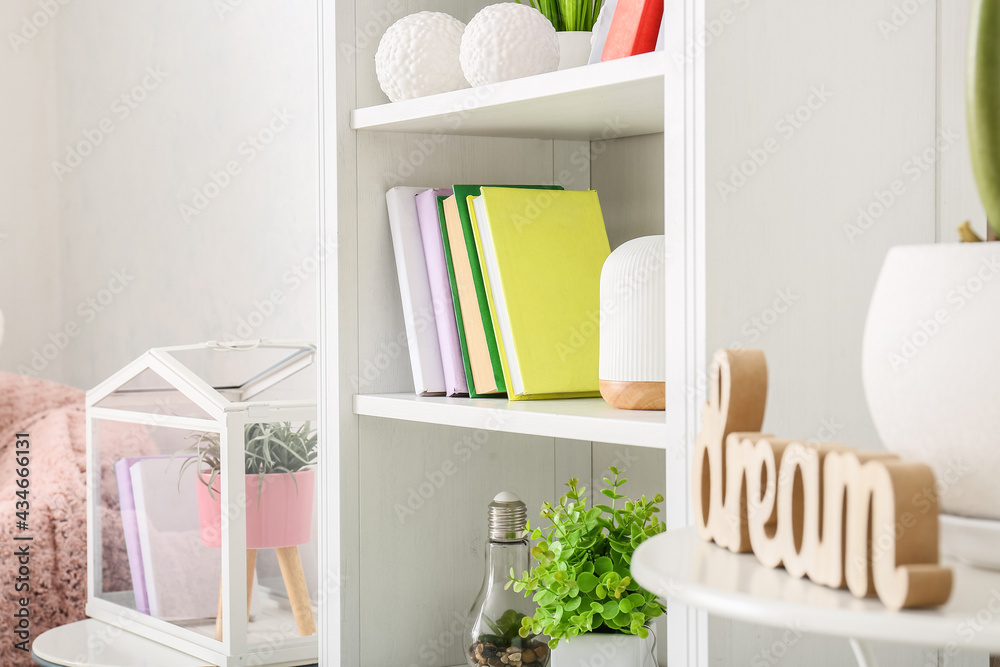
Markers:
<point>457,301</point>
<point>462,194</point>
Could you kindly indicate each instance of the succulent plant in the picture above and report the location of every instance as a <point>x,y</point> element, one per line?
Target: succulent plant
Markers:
<point>581,581</point>
<point>269,448</point>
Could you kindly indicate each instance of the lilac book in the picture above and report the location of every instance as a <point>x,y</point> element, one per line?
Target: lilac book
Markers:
<point>437,273</point>
<point>126,500</point>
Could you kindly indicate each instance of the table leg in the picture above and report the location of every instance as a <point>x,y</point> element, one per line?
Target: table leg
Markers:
<point>863,653</point>
<point>251,567</point>
<point>295,586</point>
<point>995,660</point>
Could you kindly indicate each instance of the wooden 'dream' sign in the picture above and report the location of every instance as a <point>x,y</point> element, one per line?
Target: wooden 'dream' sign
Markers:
<point>867,520</point>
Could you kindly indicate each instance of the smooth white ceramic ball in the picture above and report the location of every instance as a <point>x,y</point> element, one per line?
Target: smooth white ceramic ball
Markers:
<point>418,55</point>
<point>508,41</point>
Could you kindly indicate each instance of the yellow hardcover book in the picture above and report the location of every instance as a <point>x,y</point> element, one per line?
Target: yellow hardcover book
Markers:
<point>543,251</point>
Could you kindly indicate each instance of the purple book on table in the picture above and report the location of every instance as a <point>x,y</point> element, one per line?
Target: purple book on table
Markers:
<point>126,500</point>
<point>437,274</point>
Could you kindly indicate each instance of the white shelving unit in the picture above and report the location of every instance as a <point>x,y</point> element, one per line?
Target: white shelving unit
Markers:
<point>407,489</point>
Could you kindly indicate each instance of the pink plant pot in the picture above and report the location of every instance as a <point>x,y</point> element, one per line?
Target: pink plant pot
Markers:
<point>278,515</point>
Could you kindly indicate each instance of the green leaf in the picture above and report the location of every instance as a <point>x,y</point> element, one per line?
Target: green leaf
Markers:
<point>587,582</point>
<point>610,609</point>
<point>636,600</point>
<point>603,565</point>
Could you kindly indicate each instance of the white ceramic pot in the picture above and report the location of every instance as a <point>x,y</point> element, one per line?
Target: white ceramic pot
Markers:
<point>931,367</point>
<point>574,48</point>
<point>605,650</point>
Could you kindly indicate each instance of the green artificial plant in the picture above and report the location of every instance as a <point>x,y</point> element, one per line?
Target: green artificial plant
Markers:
<point>581,581</point>
<point>983,105</point>
<point>568,15</point>
<point>270,448</point>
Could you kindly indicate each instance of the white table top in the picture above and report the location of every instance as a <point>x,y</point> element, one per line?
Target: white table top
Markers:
<point>679,565</point>
<point>92,643</point>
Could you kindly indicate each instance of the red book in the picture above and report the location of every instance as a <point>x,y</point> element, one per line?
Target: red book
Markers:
<point>634,28</point>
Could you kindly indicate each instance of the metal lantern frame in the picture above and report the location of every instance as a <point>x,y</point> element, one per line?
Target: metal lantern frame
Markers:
<point>229,410</point>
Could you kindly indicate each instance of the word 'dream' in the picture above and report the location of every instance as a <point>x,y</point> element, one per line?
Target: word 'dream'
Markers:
<point>867,520</point>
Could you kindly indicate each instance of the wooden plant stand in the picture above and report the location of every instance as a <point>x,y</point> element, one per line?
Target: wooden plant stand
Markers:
<point>295,585</point>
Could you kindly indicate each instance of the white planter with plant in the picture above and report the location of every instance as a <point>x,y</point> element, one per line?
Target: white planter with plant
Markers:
<point>928,361</point>
<point>279,461</point>
<point>588,603</point>
<point>574,22</point>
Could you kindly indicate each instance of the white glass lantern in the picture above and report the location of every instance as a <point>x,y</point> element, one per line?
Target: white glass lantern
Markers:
<point>202,532</point>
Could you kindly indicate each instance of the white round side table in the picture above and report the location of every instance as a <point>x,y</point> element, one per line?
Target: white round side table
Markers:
<point>92,643</point>
<point>680,565</point>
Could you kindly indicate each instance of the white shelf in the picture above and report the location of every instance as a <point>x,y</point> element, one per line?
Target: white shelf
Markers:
<point>680,565</point>
<point>620,98</point>
<point>589,419</point>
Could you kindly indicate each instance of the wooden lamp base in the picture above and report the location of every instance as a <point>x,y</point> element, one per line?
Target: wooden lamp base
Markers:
<point>634,395</point>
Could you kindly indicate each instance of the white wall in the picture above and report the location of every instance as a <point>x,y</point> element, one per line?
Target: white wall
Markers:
<point>29,254</point>
<point>155,100</point>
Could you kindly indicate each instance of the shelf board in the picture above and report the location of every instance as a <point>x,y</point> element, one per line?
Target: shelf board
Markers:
<point>681,566</point>
<point>619,98</point>
<point>589,419</point>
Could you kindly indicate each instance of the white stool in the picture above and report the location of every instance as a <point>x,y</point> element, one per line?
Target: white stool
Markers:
<point>92,643</point>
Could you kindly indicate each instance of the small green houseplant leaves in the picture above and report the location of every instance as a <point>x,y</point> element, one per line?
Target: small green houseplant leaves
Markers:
<point>568,14</point>
<point>581,581</point>
<point>270,448</point>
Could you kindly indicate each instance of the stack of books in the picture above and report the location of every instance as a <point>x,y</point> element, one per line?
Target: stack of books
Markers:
<point>174,575</point>
<point>500,286</point>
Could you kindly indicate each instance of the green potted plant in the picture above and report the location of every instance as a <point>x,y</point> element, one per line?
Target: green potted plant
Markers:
<point>279,465</point>
<point>927,364</point>
<point>574,22</point>
<point>588,603</point>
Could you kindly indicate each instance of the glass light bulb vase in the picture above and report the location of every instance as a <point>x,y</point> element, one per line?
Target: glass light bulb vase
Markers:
<point>494,621</point>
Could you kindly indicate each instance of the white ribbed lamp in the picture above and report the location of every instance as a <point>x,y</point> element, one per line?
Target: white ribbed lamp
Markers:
<point>633,364</point>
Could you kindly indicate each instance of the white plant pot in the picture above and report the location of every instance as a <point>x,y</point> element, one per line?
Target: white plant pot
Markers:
<point>931,367</point>
<point>605,650</point>
<point>574,48</point>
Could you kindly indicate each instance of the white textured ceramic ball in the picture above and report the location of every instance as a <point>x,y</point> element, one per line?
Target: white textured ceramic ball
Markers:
<point>418,55</point>
<point>508,41</point>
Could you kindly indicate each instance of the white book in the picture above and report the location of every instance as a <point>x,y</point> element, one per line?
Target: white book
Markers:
<point>182,575</point>
<point>659,38</point>
<point>415,292</point>
<point>601,27</point>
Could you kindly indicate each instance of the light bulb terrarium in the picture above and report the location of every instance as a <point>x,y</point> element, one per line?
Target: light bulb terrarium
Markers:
<point>496,618</point>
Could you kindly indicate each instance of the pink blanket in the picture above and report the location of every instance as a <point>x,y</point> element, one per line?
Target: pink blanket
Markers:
<point>54,416</point>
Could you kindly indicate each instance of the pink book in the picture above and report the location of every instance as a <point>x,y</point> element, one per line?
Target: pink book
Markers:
<point>437,274</point>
